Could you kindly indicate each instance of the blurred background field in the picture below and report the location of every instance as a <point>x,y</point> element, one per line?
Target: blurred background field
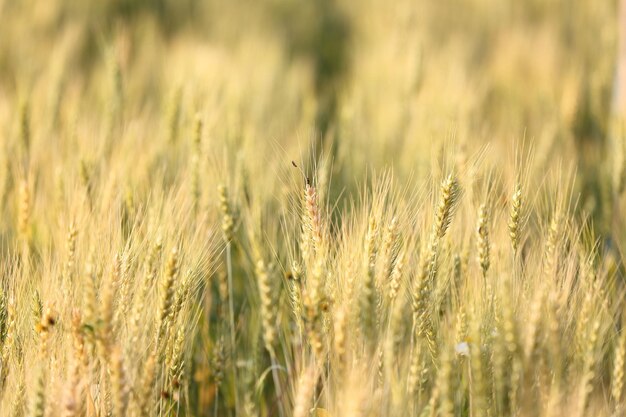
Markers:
<point>385,83</point>
<point>124,122</point>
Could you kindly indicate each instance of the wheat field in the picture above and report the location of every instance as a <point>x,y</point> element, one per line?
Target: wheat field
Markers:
<point>324,208</point>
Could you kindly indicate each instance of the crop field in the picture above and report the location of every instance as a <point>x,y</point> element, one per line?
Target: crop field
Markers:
<point>312,208</point>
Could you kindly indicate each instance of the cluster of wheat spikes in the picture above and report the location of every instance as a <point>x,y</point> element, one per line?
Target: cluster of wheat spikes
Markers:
<point>412,302</point>
<point>298,215</point>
